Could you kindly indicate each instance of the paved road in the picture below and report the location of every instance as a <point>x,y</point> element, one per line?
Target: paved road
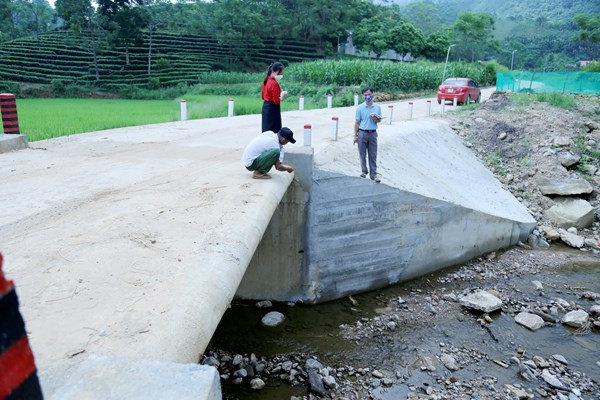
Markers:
<point>132,241</point>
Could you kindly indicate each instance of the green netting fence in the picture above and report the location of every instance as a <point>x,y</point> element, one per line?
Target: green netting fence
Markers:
<point>587,83</point>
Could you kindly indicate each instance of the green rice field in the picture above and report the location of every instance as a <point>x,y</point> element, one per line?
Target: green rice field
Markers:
<point>41,119</point>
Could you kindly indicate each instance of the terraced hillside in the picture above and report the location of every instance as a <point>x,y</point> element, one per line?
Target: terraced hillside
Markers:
<point>163,60</point>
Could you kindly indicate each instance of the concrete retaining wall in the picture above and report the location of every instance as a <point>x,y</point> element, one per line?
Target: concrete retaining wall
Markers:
<point>337,234</point>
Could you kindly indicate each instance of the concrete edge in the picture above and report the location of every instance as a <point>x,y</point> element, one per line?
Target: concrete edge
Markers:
<point>12,142</point>
<point>113,378</point>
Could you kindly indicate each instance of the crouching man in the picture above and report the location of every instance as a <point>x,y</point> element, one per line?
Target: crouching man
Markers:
<point>266,151</point>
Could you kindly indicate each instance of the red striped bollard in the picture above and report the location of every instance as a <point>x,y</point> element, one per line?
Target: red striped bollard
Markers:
<point>10,120</point>
<point>18,375</point>
<point>334,128</point>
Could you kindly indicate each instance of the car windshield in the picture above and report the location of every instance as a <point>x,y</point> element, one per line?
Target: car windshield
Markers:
<point>455,82</point>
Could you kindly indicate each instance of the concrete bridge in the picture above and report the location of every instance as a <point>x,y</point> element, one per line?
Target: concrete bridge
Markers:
<point>127,246</point>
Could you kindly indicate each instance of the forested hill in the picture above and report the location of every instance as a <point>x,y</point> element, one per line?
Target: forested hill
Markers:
<point>561,11</point>
<point>540,34</point>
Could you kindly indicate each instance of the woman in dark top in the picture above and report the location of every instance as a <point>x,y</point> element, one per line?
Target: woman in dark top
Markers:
<point>272,96</point>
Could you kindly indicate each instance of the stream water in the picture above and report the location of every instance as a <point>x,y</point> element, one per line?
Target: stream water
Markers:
<point>315,330</point>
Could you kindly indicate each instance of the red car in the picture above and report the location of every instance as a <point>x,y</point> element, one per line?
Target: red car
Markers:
<point>464,89</point>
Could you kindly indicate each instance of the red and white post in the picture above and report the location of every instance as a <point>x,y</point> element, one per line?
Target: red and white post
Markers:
<point>334,128</point>
<point>301,103</point>
<point>183,110</point>
<point>355,99</point>
<point>428,110</point>
<point>329,100</point>
<point>307,135</point>
<point>390,114</point>
<point>454,103</point>
<point>410,110</point>
<point>230,108</point>
<point>10,119</point>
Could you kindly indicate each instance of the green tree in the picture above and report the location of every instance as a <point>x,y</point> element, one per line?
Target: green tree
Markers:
<point>424,15</point>
<point>371,34</point>
<point>239,26</point>
<point>37,16</point>
<point>25,17</point>
<point>327,22</point>
<point>436,46</point>
<point>405,38</point>
<point>124,19</point>
<point>589,32</point>
<point>589,26</point>
<point>81,17</point>
<point>77,14</point>
<point>7,27</point>
<point>473,34</point>
<point>157,17</point>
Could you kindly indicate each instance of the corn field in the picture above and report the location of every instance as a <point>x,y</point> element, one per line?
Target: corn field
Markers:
<point>405,77</point>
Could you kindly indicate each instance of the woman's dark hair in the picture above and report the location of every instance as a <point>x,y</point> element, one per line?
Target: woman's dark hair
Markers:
<point>277,67</point>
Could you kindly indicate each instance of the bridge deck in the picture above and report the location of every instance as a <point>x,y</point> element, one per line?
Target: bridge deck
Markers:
<point>133,241</point>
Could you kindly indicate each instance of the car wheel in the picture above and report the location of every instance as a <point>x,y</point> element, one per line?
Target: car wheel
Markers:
<point>439,101</point>
<point>478,99</point>
<point>468,100</point>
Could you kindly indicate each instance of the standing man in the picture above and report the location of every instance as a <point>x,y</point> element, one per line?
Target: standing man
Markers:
<point>266,151</point>
<point>368,115</point>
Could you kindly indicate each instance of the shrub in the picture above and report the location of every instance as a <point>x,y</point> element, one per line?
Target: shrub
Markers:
<point>557,100</point>
<point>154,83</point>
<point>58,87</point>
<point>592,67</point>
<point>10,87</point>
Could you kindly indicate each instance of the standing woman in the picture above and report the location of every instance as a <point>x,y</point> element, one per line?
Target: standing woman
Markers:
<point>272,96</point>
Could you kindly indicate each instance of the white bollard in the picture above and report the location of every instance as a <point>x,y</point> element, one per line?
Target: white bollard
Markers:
<point>355,99</point>
<point>301,107</point>
<point>428,112</point>
<point>454,103</point>
<point>410,110</point>
<point>183,110</point>
<point>307,135</point>
<point>230,108</point>
<point>443,106</point>
<point>390,114</point>
<point>329,100</point>
<point>334,127</point>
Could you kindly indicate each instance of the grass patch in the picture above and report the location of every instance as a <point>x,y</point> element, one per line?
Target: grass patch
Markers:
<point>557,100</point>
<point>49,118</point>
<point>494,161</point>
<point>554,99</point>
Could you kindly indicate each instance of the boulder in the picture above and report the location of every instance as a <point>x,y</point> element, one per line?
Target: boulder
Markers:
<point>567,212</point>
<point>571,239</point>
<point>482,301</point>
<point>568,159</point>
<point>565,186</point>
<point>530,321</point>
<point>273,319</point>
<point>576,319</point>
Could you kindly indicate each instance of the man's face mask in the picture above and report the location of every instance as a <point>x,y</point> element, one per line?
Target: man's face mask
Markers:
<point>368,98</point>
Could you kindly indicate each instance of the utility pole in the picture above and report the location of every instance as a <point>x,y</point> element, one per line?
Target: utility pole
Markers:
<point>512,58</point>
<point>445,65</point>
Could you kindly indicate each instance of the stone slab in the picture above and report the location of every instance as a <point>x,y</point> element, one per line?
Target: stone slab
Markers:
<point>117,378</point>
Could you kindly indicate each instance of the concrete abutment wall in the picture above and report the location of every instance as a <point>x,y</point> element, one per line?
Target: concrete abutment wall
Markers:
<point>334,235</point>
